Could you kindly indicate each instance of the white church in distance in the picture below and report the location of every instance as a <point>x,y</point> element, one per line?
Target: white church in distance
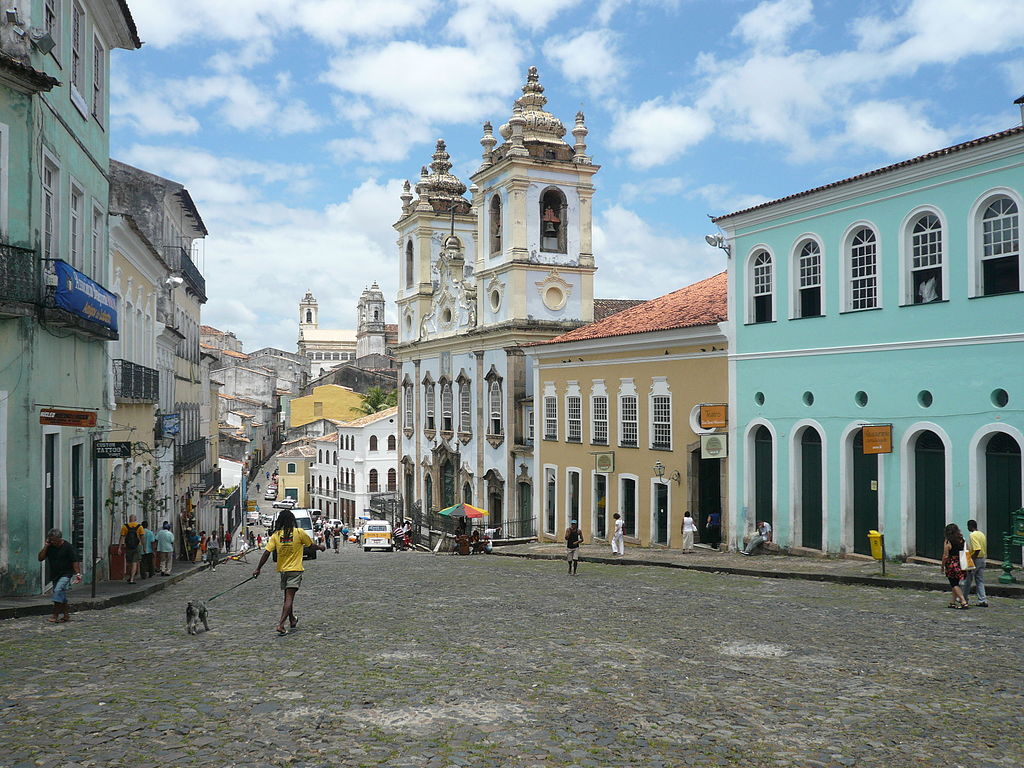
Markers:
<point>479,278</point>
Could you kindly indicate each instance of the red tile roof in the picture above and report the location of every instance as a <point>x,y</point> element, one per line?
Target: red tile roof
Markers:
<point>879,171</point>
<point>702,303</point>
<point>605,307</point>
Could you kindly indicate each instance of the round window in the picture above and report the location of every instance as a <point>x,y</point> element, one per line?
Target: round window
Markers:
<point>808,398</point>
<point>495,300</point>
<point>924,398</point>
<point>759,398</point>
<point>1000,398</point>
<point>446,316</point>
<point>554,297</point>
<point>861,398</point>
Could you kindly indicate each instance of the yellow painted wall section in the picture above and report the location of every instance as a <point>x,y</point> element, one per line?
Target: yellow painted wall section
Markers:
<point>702,379</point>
<point>296,480</point>
<point>327,402</point>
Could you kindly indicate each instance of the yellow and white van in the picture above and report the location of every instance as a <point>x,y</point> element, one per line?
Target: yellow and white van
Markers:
<point>377,535</point>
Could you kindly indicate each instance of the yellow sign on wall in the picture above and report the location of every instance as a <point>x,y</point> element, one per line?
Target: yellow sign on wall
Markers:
<point>714,415</point>
<point>877,438</point>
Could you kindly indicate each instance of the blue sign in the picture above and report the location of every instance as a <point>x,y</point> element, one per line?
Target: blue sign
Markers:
<point>80,296</point>
<point>171,424</point>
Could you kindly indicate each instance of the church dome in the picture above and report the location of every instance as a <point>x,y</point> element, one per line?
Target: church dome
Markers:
<point>538,124</point>
<point>440,187</point>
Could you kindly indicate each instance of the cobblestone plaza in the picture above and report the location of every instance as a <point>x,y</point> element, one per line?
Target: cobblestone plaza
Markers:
<point>417,660</point>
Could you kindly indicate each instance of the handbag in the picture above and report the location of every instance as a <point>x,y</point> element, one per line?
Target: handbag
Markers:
<point>966,561</point>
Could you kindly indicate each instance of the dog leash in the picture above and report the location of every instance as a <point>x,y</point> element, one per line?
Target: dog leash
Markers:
<point>229,589</point>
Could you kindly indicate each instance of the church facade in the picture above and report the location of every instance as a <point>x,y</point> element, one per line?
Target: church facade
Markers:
<point>479,279</point>
<point>323,348</point>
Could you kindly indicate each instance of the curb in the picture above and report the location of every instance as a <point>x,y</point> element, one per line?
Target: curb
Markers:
<point>99,603</point>
<point>998,590</point>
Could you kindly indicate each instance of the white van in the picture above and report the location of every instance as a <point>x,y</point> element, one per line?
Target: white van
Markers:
<point>377,535</point>
<point>304,521</point>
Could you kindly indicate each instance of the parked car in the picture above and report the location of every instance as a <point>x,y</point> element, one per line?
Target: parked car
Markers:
<point>266,520</point>
<point>285,503</point>
<point>270,495</point>
<point>252,518</point>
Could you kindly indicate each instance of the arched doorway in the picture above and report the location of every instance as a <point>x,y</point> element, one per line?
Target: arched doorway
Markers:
<point>864,490</point>
<point>763,476</point>
<point>1002,491</point>
<point>810,489</point>
<point>929,494</point>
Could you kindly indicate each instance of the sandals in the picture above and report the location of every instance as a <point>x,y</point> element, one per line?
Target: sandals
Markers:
<point>959,606</point>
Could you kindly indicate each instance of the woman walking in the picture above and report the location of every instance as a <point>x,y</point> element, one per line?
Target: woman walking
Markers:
<point>689,528</point>
<point>951,565</point>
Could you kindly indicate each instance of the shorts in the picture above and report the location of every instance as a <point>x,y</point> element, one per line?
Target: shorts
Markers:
<point>572,554</point>
<point>132,555</point>
<point>291,579</point>
<point>61,587</point>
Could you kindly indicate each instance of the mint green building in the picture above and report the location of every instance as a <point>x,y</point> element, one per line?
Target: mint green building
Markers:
<point>56,316</point>
<point>892,299</point>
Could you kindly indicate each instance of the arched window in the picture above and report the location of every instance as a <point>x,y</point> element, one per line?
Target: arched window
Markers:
<point>495,224</point>
<point>494,399</point>
<point>925,259</point>
<point>320,457</point>
<point>465,408</point>
<point>446,406</point>
<point>408,265</point>
<point>373,481</point>
<point>309,316</point>
<point>391,442</point>
<point>407,413</point>
<point>376,315</point>
<point>467,493</point>
<point>392,480</point>
<point>762,284</point>
<point>553,211</point>
<point>808,298</point>
<point>1000,247</point>
<point>373,442</point>
<point>428,406</point>
<point>862,277</point>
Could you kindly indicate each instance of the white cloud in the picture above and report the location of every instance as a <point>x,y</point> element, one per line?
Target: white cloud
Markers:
<point>382,140</point>
<point>634,261</point>
<point>142,105</point>
<point>722,198</point>
<point>590,57</point>
<point>897,129</point>
<point>770,24</point>
<point>657,132</point>
<point>651,189</point>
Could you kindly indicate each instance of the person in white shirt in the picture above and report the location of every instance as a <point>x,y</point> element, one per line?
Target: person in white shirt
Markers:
<point>762,534</point>
<point>618,548</point>
<point>689,528</point>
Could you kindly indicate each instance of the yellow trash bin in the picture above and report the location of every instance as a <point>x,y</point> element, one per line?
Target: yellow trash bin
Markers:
<point>875,539</point>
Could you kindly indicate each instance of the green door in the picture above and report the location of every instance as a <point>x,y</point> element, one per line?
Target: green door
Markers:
<point>447,484</point>
<point>709,491</point>
<point>660,513</point>
<point>1002,491</point>
<point>763,479</point>
<point>810,489</point>
<point>929,494</point>
<point>865,495</point>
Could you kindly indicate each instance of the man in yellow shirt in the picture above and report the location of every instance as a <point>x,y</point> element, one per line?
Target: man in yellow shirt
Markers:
<point>977,545</point>
<point>288,540</point>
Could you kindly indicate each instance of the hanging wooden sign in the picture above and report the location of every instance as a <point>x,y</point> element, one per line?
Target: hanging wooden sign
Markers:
<point>714,415</point>
<point>877,438</point>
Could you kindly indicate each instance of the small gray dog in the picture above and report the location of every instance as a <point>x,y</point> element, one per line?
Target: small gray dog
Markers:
<point>194,613</point>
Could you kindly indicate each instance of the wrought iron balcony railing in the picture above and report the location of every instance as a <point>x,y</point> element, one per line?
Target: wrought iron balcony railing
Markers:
<point>133,382</point>
<point>188,455</point>
<point>19,280</point>
<point>211,480</point>
<point>192,275</point>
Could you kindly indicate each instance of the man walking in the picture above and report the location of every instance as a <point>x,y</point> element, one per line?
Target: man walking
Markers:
<point>288,541</point>
<point>213,551</point>
<point>573,538</point>
<point>618,547</point>
<point>977,545</point>
<point>165,549</point>
<point>65,568</point>
<point>146,568</point>
<point>130,545</point>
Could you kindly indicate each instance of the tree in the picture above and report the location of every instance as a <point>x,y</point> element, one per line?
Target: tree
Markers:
<point>376,400</point>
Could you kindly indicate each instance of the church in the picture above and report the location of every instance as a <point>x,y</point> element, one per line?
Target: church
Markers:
<point>480,278</point>
<point>324,348</point>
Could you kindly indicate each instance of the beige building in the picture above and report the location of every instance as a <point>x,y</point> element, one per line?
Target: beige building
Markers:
<point>293,462</point>
<point>324,348</point>
<point>616,421</point>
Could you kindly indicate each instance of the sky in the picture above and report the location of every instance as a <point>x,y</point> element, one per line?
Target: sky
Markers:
<point>293,123</point>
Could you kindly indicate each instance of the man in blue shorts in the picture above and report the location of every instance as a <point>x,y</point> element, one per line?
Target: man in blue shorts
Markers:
<point>65,568</point>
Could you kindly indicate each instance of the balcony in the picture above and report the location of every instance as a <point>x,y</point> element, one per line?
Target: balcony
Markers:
<point>19,281</point>
<point>135,383</point>
<point>189,454</point>
<point>195,281</point>
<point>211,480</point>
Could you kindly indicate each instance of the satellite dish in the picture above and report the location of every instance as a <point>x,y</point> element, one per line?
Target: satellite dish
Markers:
<point>711,240</point>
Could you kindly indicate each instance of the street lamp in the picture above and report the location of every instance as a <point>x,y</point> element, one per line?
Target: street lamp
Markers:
<point>718,241</point>
<point>659,471</point>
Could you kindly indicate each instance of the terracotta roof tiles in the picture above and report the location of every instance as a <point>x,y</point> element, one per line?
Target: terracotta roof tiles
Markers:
<point>605,307</point>
<point>702,303</point>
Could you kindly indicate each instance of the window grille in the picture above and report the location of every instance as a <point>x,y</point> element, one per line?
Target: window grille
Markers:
<point>1000,257</point>
<point>661,413</point>
<point>600,409</point>
<point>629,427</point>
<point>863,270</point>
<point>574,408</point>
<point>550,418</point>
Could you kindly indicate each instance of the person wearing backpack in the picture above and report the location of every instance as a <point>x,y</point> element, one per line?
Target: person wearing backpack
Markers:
<point>130,545</point>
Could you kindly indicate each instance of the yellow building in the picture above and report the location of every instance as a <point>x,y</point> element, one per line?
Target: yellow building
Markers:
<point>293,471</point>
<point>329,401</point>
<point>617,420</point>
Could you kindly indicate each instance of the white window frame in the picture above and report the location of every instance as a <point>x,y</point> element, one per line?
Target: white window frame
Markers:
<point>96,241</point>
<point>550,497</point>
<point>977,242</point>
<point>756,290</point>
<point>429,406</point>
<point>528,424</point>
<point>849,281</point>
<point>796,275</point>
<point>573,413</point>
<point>466,407</point>
<point>569,473</point>
<point>99,80</point>
<point>495,410</point>
<point>76,226</point>
<point>550,416</point>
<point>659,392</point>
<point>447,407</point>
<point>599,413</point>
<point>627,389</point>
<point>907,254</point>
<point>51,194</point>
<point>79,57</point>
<point>623,477</point>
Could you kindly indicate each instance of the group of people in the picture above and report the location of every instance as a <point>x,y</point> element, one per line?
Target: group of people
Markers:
<point>146,552</point>
<point>963,564</point>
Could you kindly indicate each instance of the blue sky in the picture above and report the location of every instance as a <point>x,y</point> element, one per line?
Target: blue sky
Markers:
<point>294,122</point>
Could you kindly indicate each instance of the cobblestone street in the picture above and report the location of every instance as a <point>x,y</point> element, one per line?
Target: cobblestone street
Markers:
<point>418,660</point>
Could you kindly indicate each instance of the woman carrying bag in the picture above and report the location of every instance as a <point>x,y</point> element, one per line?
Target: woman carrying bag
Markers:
<point>956,560</point>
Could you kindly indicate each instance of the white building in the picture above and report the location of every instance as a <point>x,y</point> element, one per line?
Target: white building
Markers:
<point>324,348</point>
<point>353,464</point>
<point>478,280</point>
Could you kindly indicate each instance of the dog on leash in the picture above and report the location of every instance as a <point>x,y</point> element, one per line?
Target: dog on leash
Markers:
<point>194,613</point>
